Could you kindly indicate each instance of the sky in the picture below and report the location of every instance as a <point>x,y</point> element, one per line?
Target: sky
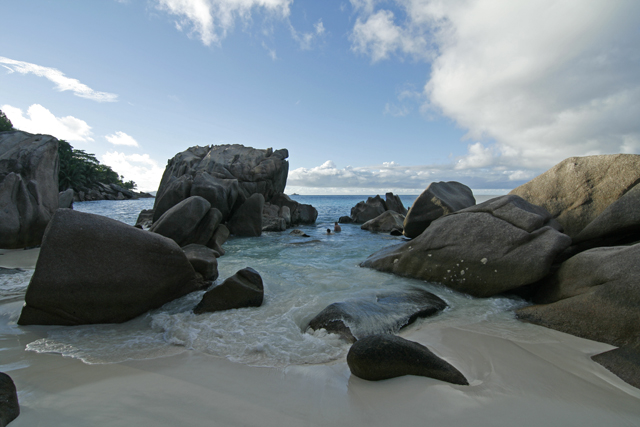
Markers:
<point>368,96</point>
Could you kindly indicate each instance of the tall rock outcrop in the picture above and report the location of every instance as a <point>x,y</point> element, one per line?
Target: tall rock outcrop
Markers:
<point>224,175</point>
<point>28,187</point>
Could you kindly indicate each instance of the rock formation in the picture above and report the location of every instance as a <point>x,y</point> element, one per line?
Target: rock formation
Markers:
<point>93,269</point>
<point>243,289</point>
<point>484,250</point>
<point>386,313</point>
<point>365,211</point>
<point>28,187</point>
<point>224,175</point>
<point>9,407</point>
<point>190,221</point>
<point>380,357</point>
<point>203,260</point>
<point>437,200</point>
<point>384,223</point>
<point>578,189</point>
<point>594,295</point>
<point>101,191</point>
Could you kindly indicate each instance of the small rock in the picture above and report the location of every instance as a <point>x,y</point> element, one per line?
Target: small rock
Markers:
<point>243,289</point>
<point>380,357</point>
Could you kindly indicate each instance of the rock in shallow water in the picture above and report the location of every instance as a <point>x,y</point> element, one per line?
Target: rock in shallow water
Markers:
<point>380,357</point>
<point>243,289</point>
<point>9,407</point>
<point>93,269</point>
<point>483,250</point>
<point>387,313</point>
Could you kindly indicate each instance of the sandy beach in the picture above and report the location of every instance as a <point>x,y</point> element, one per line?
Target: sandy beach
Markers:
<point>527,377</point>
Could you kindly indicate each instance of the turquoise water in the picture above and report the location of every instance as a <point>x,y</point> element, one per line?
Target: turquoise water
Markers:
<point>301,277</point>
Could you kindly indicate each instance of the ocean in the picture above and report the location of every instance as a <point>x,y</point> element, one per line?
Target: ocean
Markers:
<point>301,277</point>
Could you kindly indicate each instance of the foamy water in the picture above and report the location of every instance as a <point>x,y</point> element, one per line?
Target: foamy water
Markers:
<point>301,277</point>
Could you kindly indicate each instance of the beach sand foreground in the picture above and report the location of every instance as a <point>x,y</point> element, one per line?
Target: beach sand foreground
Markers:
<point>530,377</point>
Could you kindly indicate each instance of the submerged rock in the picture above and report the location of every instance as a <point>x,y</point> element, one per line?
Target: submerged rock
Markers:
<point>387,313</point>
<point>484,250</point>
<point>93,269</point>
<point>593,295</point>
<point>578,189</point>
<point>437,200</point>
<point>28,187</point>
<point>9,407</point>
<point>243,289</point>
<point>380,357</point>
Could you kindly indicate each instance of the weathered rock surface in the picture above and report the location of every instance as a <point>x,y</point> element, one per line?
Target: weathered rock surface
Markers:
<point>380,357</point>
<point>384,223</point>
<point>365,211</point>
<point>393,203</point>
<point>28,187</point>
<point>437,200</point>
<point>65,199</point>
<point>203,260</point>
<point>386,313</point>
<point>243,289</point>
<point>247,220</point>
<point>93,269</point>
<point>219,237</point>
<point>578,189</point>
<point>594,295</point>
<point>619,223</point>
<point>484,250</point>
<point>299,213</point>
<point>9,406</point>
<point>299,233</point>
<point>225,175</point>
<point>274,218</point>
<point>190,221</point>
<point>145,219</point>
<point>623,361</point>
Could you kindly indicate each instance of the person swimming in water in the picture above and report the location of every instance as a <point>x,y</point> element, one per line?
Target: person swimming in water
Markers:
<point>328,231</point>
<point>336,227</point>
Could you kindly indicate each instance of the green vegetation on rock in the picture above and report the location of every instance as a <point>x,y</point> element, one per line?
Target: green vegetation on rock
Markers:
<point>5,123</point>
<point>80,169</point>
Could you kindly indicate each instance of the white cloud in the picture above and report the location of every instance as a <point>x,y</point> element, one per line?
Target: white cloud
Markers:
<point>391,176</point>
<point>121,138</point>
<point>533,84</point>
<point>211,20</point>
<point>140,168</point>
<point>63,83</point>
<point>41,120</point>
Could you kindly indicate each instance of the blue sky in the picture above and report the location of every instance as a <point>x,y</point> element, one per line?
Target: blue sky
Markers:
<point>368,96</point>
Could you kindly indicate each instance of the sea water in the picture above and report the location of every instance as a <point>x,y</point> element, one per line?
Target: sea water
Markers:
<point>301,277</point>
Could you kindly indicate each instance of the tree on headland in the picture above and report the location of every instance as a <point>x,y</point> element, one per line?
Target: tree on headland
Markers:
<point>79,169</point>
<point>5,123</point>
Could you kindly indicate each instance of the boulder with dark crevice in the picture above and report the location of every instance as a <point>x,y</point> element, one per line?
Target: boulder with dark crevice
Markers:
<point>247,220</point>
<point>380,357</point>
<point>182,223</point>
<point>203,260</point>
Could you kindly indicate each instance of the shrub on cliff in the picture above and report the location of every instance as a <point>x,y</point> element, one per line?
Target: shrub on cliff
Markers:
<point>5,123</point>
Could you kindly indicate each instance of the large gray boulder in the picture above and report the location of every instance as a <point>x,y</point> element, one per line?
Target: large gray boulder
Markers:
<point>394,203</point>
<point>437,200</point>
<point>225,175</point>
<point>299,213</point>
<point>9,406</point>
<point>65,199</point>
<point>365,211</point>
<point>594,295</point>
<point>385,222</point>
<point>243,289</point>
<point>383,314</point>
<point>578,189</point>
<point>247,220</point>
<point>190,221</point>
<point>93,269</point>
<point>28,187</point>
<point>484,250</point>
<point>203,260</point>
<point>380,357</point>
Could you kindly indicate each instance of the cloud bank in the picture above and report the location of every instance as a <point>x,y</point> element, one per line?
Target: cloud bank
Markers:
<point>41,120</point>
<point>532,82</point>
<point>140,168</point>
<point>63,83</point>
